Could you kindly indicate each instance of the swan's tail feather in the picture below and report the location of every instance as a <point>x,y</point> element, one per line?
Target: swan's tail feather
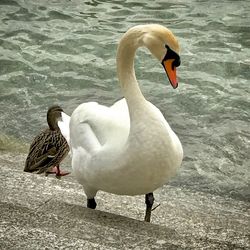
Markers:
<point>63,124</point>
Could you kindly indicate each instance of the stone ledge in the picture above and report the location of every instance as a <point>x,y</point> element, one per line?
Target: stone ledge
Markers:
<point>46,213</point>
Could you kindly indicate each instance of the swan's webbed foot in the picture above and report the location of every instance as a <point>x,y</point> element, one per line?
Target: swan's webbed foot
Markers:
<point>91,203</point>
<point>149,200</point>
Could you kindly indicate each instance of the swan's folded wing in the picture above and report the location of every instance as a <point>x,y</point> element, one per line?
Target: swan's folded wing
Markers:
<point>93,126</point>
<point>83,136</point>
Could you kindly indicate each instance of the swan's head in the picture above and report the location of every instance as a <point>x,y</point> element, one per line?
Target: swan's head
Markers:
<point>165,47</point>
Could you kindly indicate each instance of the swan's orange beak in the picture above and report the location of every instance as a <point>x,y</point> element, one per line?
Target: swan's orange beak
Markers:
<point>171,72</point>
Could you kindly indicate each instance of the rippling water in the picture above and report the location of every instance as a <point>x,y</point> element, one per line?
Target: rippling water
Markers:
<point>63,51</point>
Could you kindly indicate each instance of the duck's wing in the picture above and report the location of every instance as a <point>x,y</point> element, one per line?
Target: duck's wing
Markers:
<point>48,149</point>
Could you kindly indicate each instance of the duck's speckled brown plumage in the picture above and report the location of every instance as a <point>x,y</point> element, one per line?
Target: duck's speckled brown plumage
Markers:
<point>48,148</point>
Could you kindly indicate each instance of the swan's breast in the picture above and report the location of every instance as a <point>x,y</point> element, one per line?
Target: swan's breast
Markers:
<point>144,163</point>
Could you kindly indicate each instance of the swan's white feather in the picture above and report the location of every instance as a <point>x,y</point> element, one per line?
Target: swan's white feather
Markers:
<point>108,124</point>
<point>101,156</point>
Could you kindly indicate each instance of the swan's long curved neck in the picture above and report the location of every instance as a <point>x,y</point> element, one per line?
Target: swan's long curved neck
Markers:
<point>125,66</point>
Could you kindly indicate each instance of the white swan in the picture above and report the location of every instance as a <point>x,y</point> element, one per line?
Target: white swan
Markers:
<point>128,148</point>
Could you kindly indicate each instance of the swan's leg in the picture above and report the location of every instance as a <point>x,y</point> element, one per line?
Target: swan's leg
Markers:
<point>149,200</point>
<point>91,203</point>
<point>90,193</point>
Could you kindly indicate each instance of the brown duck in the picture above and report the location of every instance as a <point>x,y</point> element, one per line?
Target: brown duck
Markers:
<point>48,148</point>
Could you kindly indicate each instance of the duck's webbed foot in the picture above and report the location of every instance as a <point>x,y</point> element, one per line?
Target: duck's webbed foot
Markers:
<point>149,200</point>
<point>91,203</point>
<point>62,173</point>
<point>56,170</point>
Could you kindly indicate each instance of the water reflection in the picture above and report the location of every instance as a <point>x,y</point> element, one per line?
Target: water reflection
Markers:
<point>64,52</point>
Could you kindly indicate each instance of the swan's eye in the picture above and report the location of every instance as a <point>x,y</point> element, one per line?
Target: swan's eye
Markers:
<point>176,62</point>
<point>170,54</point>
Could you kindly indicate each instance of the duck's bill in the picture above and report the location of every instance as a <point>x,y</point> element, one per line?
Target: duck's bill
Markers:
<point>171,72</point>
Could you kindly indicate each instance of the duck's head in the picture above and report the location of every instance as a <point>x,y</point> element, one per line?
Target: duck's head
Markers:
<point>53,115</point>
<point>165,47</point>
